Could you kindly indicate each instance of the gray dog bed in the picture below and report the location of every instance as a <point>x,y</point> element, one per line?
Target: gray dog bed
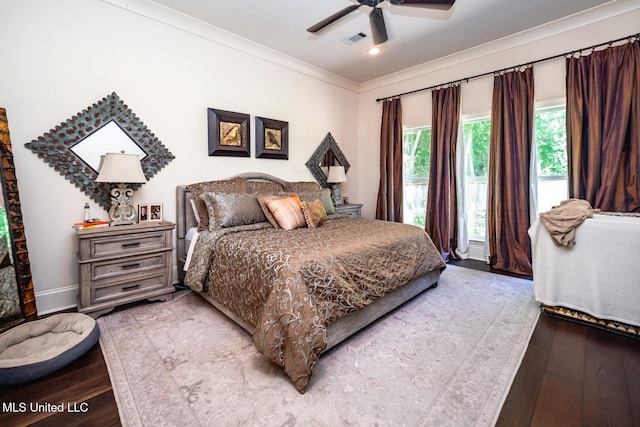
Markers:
<point>34,349</point>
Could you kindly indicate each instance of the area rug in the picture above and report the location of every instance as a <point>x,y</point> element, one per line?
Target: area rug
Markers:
<point>445,358</point>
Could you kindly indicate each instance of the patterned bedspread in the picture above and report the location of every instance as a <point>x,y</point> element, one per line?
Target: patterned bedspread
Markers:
<point>290,285</point>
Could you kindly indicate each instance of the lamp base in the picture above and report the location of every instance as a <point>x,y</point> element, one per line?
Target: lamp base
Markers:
<point>336,197</point>
<point>122,211</point>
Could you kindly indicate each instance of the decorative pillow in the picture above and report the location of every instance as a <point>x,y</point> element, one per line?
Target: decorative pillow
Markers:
<point>287,211</point>
<point>302,186</point>
<point>265,187</point>
<point>324,195</point>
<point>262,201</point>
<point>314,213</point>
<point>232,209</point>
<point>234,185</point>
<point>194,209</point>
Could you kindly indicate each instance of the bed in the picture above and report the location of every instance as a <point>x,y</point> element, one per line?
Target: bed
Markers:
<point>298,291</point>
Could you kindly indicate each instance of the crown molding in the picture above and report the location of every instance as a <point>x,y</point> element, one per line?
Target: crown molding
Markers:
<point>581,19</point>
<point>164,15</point>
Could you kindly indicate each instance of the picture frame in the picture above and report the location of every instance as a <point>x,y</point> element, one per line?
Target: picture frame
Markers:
<point>228,133</point>
<point>155,212</point>
<point>272,139</point>
<point>143,212</point>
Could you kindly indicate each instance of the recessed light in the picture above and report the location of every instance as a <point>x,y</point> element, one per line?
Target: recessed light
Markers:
<point>374,50</point>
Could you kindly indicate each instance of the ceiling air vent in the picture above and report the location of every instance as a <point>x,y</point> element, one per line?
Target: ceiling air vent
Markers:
<point>353,39</point>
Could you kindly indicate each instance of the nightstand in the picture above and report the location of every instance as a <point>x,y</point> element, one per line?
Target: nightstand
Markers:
<point>124,263</point>
<point>352,209</point>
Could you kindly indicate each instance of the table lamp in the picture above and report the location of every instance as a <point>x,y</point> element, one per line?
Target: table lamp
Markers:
<point>121,169</point>
<point>336,176</point>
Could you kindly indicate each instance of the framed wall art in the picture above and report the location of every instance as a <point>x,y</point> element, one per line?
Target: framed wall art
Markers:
<point>229,133</point>
<point>272,139</point>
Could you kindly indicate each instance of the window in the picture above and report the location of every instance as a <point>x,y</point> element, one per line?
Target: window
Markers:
<point>476,160</point>
<point>551,153</point>
<point>416,157</point>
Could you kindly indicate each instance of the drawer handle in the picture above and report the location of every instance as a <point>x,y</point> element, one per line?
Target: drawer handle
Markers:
<point>131,287</point>
<point>130,245</point>
<point>132,265</point>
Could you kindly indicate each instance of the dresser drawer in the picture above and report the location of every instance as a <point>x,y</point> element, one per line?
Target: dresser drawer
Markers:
<point>119,267</point>
<point>125,245</point>
<point>104,293</point>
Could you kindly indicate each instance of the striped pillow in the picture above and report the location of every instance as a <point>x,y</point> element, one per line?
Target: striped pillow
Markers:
<point>287,211</point>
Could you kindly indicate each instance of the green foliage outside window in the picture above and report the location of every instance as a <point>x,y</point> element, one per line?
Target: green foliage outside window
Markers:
<point>551,141</point>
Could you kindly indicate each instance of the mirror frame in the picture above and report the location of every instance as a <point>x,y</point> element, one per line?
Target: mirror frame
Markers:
<point>313,164</point>
<point>54,147</point>
<point>16,227</point>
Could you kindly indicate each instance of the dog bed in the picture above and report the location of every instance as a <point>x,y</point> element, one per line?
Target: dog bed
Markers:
<point>34,349</point>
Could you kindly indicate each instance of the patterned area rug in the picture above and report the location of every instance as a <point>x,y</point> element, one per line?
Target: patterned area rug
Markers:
<point>445,358</point>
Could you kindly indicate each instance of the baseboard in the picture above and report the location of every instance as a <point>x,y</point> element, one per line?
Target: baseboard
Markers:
<point>56,300</point>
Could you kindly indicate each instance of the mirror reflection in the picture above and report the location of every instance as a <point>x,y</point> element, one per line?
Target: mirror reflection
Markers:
<point>9,298</point>
<point>329,159</point>
<point>17,299</point>
<point>110,138</point>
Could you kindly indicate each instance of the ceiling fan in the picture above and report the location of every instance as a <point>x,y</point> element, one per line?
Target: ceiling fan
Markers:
<point>378,27</point>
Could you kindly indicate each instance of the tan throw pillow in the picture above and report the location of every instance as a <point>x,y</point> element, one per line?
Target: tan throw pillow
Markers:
<point>314,213</point>
<point>287,211</point>
<point>262,201</point>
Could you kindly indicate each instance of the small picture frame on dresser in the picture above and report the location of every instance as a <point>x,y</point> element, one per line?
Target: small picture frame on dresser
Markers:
<point>155,211</point>
<point>143,213</point>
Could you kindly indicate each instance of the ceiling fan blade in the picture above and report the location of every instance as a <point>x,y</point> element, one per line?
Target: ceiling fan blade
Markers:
<point>431,4</point>
<point>378,28</point>
<point>333,18</point>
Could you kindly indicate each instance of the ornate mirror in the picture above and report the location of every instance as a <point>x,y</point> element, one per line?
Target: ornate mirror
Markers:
<point>74,147</point>
<point>327,154</point>
<point>17,300</point>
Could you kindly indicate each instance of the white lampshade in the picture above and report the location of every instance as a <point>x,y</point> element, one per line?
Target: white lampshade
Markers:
<point>336,174</point>
<point>121,168</point>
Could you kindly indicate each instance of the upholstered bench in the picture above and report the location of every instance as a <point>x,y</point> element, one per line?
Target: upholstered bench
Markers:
<point>34,349</point>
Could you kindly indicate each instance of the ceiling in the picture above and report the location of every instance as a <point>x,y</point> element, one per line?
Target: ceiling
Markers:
<point>416,35</point>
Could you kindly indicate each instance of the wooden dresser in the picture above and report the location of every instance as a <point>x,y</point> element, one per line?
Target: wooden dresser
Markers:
<point>353,209</point>
<point>125,263</point>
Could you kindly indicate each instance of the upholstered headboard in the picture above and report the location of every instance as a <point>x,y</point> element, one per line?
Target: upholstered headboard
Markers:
<point>185,218</point>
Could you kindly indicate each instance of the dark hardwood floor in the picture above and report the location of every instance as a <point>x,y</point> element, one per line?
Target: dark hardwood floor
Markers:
<point>571,375</point>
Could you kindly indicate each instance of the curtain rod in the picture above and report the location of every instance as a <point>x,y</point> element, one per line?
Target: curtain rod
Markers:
<point>630,38</point>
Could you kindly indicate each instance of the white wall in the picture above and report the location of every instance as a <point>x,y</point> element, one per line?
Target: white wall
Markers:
<point>618,19</point>
<point>61,56</point>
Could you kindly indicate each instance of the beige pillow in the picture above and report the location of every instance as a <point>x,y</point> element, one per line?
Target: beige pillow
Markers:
<point>262,201</point>
<point>314,213</point>
<point>287,211</point>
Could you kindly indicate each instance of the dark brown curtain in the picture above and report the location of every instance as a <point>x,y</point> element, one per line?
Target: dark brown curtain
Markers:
<point>508,208</point>
<point>603,128</point>
<point>389,205</point>
<point>442,206</point>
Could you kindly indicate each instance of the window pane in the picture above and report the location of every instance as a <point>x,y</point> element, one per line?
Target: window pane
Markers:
<point>416,150</point>
<point>476,144</point>
<point>551,146</point>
